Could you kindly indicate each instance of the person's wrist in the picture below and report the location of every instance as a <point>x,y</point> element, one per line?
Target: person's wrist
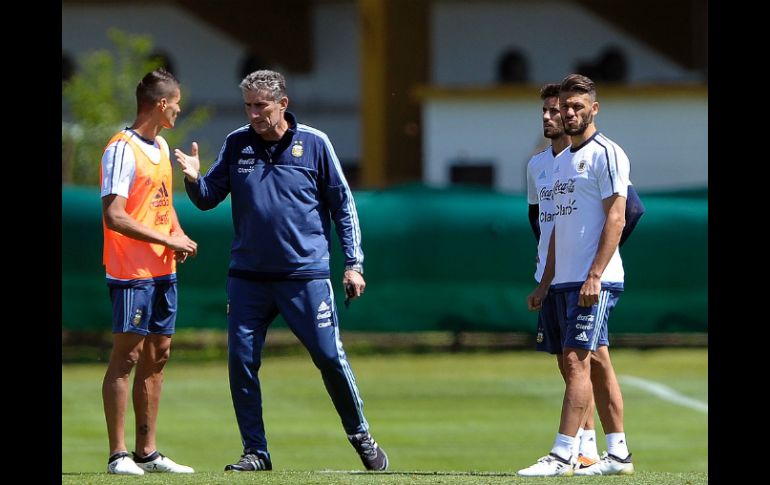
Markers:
<point>359,268</point>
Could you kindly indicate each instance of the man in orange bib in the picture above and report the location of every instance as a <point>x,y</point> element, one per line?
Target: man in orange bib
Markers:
<point>142,243</point>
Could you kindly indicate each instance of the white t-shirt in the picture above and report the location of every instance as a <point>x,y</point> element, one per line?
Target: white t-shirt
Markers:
<point>119,163</point>
<point>581,180</point>
<point>539,191</point>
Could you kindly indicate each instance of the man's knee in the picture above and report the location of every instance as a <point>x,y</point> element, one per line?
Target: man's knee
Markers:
<point>576,363</point>
<point>600,360</point>
<point>162,355</point>
<point>157,351</point>
<point>327,361</point>
<point>123,363</point>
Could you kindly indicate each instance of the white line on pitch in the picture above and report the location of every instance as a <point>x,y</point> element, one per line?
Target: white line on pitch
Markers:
<point>666,393</point>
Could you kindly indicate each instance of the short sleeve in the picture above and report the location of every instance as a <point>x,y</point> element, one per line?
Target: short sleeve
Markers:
<point>612,171</point>
<point>118,169</point>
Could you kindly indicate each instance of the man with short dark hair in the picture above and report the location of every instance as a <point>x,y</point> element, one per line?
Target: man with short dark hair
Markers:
<point>142,243</point>
<point>585,275</point>
<point>542,214</point>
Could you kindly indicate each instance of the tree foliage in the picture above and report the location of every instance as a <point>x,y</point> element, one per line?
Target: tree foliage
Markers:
<point>101,98</point>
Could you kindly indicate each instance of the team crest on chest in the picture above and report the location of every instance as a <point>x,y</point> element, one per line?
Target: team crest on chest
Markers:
<point>297,150</point>
<point>581,166</point>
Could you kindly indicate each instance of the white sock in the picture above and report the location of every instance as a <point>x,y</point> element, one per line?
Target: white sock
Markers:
<point>616,445</point>
<point>588,444</point>
<point>562,446</point>
<point>576,445</point>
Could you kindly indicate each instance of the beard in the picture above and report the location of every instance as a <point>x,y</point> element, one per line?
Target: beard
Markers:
<point>553,133</point>
<point>581,128</point>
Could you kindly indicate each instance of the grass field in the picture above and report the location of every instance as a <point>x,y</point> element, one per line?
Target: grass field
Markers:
<point>443,418</point>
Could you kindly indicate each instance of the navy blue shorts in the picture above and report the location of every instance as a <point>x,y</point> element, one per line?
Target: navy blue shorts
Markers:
<point>584,327</point>
<point>548,330</point>
<point>144,306</point>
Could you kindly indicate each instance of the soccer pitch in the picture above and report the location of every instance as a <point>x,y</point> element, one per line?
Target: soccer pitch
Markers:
<point>443,418</point>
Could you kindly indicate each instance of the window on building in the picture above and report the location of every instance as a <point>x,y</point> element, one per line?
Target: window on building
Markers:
<point>512,67</point>
<point>483,174</point>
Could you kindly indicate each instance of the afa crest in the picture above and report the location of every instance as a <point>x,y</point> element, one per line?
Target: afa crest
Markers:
<point>581,166</point>
<point>297,150</point>
<point>137,317</point>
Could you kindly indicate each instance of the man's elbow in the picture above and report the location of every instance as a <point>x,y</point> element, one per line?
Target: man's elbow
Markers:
<point>619,222</point>
<point>203,204</point>
<point>115,220</point>
<point>111,222</point>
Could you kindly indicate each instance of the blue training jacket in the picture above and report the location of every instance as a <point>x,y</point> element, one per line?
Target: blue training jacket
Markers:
<point>284,197</point>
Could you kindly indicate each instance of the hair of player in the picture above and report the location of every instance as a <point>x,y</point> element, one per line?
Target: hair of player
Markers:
<point>155,86</point>
<point>549,90</point>
<point>577,83</point>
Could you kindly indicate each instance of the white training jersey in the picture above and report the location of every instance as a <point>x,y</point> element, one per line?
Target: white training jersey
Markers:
<point>539,191</point>
<point>582,177</point>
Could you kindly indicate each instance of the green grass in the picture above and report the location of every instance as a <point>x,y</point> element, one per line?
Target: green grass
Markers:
<point>369,478</point>
<point>443,418</point>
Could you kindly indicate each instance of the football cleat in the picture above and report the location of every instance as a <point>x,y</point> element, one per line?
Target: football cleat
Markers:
<point>609,465</point>
<point>156,462</point>
<point>251,461</point>
<point>122,464</point>
<point>550,465</point>
<point>372,456</point>
<point>584,461</point>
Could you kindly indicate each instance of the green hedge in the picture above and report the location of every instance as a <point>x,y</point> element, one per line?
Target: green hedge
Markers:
<point>454,259</point>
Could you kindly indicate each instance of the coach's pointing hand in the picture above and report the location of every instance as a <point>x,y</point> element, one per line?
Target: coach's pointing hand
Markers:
<point>190,164</point>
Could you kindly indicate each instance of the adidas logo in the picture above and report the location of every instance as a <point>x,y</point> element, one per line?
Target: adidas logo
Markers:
<point>582,337</point>
<point>248,150</point>
<point>324,311</point>
<point>541,176</point>
<point>556,169</point>
<point>162,192</point>
<point>160,199</point>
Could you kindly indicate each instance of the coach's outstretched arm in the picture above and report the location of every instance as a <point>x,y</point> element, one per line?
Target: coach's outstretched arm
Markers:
<point>206,192</point>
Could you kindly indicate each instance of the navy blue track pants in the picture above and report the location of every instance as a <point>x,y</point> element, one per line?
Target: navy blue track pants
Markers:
<point>310,311</point>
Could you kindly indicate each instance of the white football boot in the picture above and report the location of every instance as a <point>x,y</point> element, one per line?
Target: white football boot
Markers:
<point>122,464</point>
<point>549,466</point>
<point>158,463</point>
<point>608,465</point>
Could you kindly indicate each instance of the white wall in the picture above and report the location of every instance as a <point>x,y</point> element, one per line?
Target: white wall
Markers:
<point>207,62</point>
<point>205,59</point>
<point>666,138</point>
<point>468,38</point>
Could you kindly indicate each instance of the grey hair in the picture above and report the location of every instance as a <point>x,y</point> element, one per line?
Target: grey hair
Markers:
<point>265,80</point>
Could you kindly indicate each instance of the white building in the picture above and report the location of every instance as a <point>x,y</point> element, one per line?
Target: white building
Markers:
<point>466,118</point>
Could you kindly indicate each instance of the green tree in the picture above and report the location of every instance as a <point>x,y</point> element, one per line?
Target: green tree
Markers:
<point>101,100</point>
